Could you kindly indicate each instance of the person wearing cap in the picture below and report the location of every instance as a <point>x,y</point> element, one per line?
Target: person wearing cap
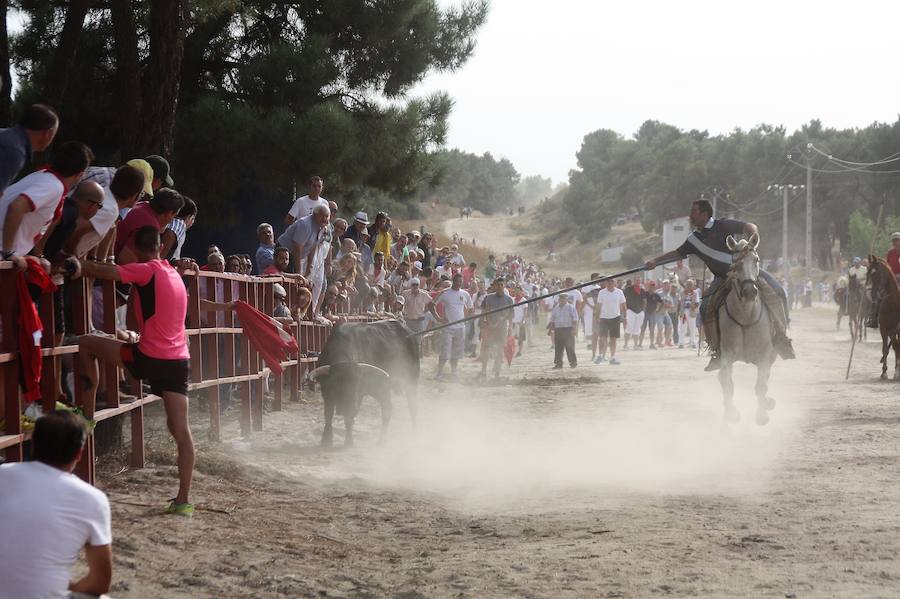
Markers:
<point>161,172</point>
<point>856,270</point>
<point>34,133</point>
<point>281,309</point>
<point>893,255</point>
<point>416,268</point>
<point>365,250</point>
<point>304,205</point>
<point>355,232</point>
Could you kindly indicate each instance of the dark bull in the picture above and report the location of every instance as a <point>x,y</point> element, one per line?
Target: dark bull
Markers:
<point>366,359</point>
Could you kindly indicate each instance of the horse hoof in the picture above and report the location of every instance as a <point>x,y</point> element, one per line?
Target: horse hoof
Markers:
<point>732,415</point>
<point>770,403</point>
<point>762,418</point>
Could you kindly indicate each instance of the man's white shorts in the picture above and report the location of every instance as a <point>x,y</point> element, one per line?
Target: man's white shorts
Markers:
<point>635,321</point>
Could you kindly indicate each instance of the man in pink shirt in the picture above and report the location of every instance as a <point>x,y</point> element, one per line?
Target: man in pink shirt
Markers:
<point>161,356</point>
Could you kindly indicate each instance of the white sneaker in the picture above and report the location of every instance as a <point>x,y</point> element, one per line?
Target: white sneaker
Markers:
<point>34,410</point>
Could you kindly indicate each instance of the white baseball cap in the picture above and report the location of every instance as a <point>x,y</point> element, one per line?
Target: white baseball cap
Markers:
<point>279,290</point>
<point>417,264</point>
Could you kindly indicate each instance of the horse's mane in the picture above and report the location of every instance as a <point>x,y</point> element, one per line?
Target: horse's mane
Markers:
<point>891,283</point>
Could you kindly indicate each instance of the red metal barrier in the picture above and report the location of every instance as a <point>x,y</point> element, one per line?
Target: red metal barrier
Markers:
<point>219,355</point>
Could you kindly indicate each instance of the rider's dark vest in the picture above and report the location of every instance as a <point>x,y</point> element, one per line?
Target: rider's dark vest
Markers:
<point>709,244</point>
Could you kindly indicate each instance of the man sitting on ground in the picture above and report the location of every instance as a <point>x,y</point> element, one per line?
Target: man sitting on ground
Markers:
<point>50,515</point>
<point>161,356</point>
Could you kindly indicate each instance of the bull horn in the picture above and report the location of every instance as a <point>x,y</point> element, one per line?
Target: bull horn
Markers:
<point>374,369</point>
<point>320,371</point>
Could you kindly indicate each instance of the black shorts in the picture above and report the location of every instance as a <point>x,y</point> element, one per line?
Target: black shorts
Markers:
<point>163,375</point>
<point>609,327</point>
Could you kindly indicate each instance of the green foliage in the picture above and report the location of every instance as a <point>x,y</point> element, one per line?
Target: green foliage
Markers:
<point>635,254</point>
<point>534,189</point>
<point>661,169</point>
<point>862,229</point>
<point>272,93</point>
<point>466,180</point>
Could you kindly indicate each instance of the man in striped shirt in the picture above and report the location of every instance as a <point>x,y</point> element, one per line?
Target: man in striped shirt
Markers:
<point>708,242</point>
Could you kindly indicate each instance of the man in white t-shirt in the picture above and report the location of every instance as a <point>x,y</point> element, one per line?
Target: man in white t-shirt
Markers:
<point>457,304</point>
<point>612,311</point>
<point>125,188</point>
<point>456,259</point>
<point>29,206</point>
<point>50,515</point>
<point>304,206</point>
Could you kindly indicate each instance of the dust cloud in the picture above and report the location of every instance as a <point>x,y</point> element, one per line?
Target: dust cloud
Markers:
<point>557,443</point>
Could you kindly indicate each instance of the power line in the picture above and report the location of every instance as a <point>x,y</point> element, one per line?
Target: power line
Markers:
<point>845,170</point>
<point>887,159</point>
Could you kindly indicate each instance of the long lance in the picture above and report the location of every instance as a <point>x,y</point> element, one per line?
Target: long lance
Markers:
<point>540,297</point>
<point>859,308</point>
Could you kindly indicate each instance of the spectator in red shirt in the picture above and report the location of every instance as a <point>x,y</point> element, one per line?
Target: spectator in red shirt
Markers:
<point>157,213</point>
<point>893,255</point>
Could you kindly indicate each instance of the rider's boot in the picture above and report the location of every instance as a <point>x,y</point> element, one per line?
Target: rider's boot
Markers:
<point>775,306</point>
<point>872,320</point>
<point>711,329</point>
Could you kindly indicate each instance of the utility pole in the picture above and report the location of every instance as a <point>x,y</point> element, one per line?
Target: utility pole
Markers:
<point>785,263</point>
<point>808,215</point>
<point>786,191</point>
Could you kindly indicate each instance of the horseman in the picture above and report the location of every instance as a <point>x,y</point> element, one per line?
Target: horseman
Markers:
<point>856,271</point>
<point>708,242</point>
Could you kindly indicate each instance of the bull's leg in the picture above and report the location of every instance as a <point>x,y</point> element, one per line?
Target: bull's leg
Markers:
<point>327,434</point>
<point>897,357</point>
<point>763,403</point>
<point>731,412</point>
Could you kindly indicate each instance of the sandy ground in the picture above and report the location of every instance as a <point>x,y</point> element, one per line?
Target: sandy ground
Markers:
<point>599,481</point>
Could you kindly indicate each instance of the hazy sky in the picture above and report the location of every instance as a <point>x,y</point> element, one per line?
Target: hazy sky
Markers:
<point>545,73</point>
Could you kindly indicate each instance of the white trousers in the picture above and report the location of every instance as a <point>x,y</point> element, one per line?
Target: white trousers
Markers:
<point>635,322</point>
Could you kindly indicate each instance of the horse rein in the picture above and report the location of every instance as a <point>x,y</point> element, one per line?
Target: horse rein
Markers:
<point>739,287</point>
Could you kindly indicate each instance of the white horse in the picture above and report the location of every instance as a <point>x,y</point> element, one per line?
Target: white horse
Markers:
<point>745,328</point>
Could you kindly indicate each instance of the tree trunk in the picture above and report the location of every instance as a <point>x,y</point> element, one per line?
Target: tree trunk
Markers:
<point>162,83</point>
<point>128,72</point>
<point>64,56</point>
<point>6,83</point>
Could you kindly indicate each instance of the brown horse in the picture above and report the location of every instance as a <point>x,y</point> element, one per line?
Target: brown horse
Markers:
<point>883,284</point>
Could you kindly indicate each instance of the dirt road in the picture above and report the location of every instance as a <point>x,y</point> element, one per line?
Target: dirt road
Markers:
<point>599,481</point>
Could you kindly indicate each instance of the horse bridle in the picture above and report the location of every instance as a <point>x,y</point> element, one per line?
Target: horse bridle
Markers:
<point>742,283</point>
